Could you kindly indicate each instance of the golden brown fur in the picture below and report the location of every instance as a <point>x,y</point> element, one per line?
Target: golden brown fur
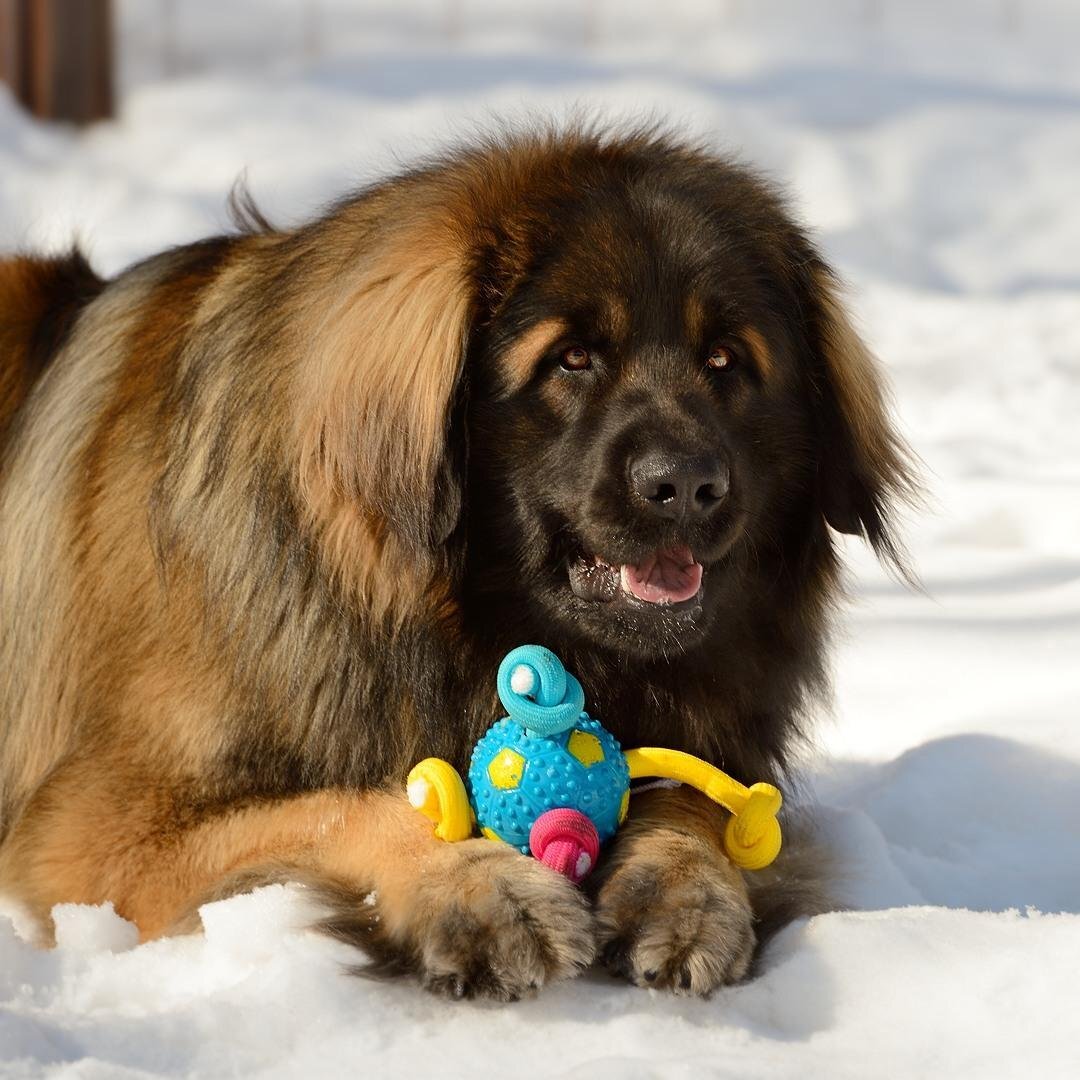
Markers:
<point>230,601</point>
<point>39,298</point>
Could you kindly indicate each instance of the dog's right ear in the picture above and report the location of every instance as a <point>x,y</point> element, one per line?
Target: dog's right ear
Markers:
<point>380,387</point>
<point>865,467</point>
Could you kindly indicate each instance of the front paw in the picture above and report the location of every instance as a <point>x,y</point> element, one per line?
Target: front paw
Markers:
<point>493,923</point>
<point>673,913</point>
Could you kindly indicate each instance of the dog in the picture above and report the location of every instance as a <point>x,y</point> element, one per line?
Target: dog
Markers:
<point>273,506</point>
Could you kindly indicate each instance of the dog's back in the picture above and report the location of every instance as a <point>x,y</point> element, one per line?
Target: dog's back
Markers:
<point>40,300</point>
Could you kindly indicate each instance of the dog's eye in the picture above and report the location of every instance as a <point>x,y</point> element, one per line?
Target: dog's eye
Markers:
<point>576,358</point>
<point>721,358</point>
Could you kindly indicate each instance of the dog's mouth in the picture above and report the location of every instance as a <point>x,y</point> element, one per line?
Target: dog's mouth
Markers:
<point>667,577</point>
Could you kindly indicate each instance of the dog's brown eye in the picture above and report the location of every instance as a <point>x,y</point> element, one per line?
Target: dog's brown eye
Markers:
<point>576,358</point>
<point>721,358</point>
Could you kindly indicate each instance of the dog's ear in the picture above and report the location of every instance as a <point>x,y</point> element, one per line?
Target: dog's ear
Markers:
<point>383,376</point>
<point>864,466</point>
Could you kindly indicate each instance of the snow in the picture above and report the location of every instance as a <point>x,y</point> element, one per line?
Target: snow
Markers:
<point>895,992</point>
<point>936,148</point>
<point>522,679</point>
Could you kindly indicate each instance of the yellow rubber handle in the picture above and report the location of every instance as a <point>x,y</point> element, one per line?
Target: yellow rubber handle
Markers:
<point>752,838</point>
<point>435,789</point>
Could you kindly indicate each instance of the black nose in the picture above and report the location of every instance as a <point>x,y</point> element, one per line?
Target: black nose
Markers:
<point>679,486</point>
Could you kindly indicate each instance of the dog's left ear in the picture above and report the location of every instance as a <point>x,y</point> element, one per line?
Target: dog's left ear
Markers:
<point>864,466</point>
<point>383,387</point>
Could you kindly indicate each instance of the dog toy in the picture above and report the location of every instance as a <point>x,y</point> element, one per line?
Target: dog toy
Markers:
<point>552,781</point>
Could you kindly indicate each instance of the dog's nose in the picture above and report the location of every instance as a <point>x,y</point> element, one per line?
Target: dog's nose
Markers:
<point>679,486</point>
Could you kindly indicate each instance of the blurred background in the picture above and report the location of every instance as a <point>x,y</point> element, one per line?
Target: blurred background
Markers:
<point>932,146</point>
<point>916,134</point>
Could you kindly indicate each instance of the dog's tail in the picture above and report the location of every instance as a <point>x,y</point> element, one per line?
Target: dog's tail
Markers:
<point>40,299</point>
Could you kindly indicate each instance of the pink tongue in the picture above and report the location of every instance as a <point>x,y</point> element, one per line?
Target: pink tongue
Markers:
<point>665,577</point>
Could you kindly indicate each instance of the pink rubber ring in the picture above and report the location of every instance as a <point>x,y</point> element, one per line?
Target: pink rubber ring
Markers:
<point>567,841</point>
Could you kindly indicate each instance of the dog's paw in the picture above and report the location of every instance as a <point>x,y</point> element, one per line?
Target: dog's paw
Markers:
<point>496,924</point>
<point>673,913</point>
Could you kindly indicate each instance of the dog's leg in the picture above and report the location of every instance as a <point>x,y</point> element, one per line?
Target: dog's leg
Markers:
<point>671,910</point>
<point>474,918</point>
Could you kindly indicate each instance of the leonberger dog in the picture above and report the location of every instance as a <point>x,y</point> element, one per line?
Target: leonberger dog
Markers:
<point>273,506</point>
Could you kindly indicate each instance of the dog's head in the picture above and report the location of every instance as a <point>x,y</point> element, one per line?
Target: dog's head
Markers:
<point>604,380</point>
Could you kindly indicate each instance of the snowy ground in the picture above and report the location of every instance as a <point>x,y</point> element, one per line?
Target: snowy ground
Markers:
<point>936,146</point>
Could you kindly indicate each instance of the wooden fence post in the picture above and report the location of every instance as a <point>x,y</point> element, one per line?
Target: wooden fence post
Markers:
<point>57,57</point>
<point>12,46</point>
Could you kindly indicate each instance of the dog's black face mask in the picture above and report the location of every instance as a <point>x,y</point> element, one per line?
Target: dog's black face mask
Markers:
<point>640,425</point>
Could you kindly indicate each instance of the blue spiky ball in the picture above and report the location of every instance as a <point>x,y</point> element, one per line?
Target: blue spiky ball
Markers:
<point>548,753</point>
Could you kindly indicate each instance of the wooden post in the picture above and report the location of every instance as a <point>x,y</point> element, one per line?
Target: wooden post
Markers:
<point>12,46</point>
<point>56,55</point>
